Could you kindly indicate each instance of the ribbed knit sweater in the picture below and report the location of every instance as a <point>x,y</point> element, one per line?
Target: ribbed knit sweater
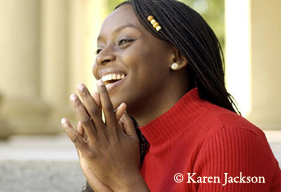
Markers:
<point>198,139</point>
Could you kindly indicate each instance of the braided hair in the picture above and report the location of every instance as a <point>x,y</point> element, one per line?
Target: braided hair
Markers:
<point>192,36</point>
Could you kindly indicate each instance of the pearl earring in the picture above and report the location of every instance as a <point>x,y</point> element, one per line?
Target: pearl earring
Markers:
<point>174,66</point>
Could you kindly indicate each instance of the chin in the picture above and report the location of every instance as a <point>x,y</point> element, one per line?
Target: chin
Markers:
<point>116,101</point>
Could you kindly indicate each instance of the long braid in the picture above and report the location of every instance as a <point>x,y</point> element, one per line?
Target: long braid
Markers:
<point>189,32</point>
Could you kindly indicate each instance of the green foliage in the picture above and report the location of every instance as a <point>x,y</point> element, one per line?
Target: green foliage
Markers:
<point>213,12</point>
<point>112,4</point>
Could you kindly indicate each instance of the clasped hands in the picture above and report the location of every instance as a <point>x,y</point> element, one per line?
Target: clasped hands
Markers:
<point>108,151</point>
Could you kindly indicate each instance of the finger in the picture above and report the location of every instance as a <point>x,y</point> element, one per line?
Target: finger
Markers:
<point>120,126</point>
<point>79,154</point>
<point>93,109</point>
<point>110,119</point>
<point>120,111</point>
<point>74,136</point>
<point>80,129</point>
<point>95,184</point>
<point>128,126</point>
<point>83,116</point>
<point>93,181</point>
<point>96,97</point>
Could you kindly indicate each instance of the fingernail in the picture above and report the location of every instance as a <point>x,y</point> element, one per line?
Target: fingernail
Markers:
<point>73,97</point>
<point>80,86</point>
<point>100,82</point>
<point>63,121</point>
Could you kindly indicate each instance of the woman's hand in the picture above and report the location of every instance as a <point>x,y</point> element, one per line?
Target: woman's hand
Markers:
<point>93,181</point>
<point>111,150</point>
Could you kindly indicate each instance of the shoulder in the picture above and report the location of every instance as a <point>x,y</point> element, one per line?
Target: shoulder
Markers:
<point>232,134</point>
<point>237,144</point>
<point>228,143</point>
<point>223,119</point>
<point>228,129</point>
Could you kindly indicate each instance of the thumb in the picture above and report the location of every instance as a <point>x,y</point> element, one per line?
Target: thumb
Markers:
<point>120,111</point>
<point>128,125</point>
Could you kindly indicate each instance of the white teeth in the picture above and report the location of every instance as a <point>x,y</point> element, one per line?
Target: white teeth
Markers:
<point>114,76</point>
<point>110,77</point>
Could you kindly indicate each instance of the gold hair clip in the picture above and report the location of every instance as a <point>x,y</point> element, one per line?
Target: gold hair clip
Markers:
<point>154,23</point>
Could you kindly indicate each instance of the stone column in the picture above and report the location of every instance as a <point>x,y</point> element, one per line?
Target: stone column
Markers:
<point>253,44</point>
<point>238,51</point>
<point>85,21</point>
<point>22,107</point>
<point>68,33</point>
<point>266,67</point>
<point>54,58</point>
<point>47,47</point>
<point>5,129</point>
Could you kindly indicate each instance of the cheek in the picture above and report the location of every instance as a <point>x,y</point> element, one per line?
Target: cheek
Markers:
<point>141,55</point>
<point>148,70</point>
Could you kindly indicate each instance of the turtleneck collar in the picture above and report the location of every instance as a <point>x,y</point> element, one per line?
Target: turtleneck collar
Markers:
<point>173,122</point>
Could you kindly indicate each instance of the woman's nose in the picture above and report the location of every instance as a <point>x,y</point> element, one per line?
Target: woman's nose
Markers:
<point>105,56</point>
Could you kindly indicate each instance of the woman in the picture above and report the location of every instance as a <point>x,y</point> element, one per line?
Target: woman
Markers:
<point>159,62</point>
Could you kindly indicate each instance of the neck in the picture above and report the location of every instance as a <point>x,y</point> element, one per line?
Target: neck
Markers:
<point>153,110</point>
<point>154,106</point>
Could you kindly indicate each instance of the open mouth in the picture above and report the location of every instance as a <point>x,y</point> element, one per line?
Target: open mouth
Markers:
<point>112,80</point>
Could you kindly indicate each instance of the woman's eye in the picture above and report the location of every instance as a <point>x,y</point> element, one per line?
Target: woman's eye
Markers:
<point>123,41</point>
<point>98,51</point>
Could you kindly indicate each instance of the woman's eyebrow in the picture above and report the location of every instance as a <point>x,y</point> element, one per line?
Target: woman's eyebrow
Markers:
<point>129,25</point>
<point>120,28</point>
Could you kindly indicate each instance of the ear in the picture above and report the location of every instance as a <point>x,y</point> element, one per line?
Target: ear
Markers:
<point>179,59</point>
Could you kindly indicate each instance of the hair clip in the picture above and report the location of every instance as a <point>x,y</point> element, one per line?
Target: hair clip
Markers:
<point>154,23</point>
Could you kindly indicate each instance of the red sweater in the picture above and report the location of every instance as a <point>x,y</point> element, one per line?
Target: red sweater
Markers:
<point>206,144</point>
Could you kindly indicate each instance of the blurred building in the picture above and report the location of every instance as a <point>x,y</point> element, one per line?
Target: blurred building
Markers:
<point>48,46</point>
<point>253,44</point>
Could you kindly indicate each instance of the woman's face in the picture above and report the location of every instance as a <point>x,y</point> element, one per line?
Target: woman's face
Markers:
<point>132,62</point>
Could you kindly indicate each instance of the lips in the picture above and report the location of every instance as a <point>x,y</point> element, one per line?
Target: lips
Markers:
<point>113,85</point>
<point>112,78</point>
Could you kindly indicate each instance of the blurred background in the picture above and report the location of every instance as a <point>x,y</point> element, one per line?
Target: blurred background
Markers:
<point>48,47</point>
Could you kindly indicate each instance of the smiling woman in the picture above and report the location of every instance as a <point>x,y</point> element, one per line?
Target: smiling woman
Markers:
<point>170,81</point>
<point>125,47</point>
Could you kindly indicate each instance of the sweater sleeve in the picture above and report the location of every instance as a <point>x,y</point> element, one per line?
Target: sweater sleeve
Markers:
<point>237,159</point>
